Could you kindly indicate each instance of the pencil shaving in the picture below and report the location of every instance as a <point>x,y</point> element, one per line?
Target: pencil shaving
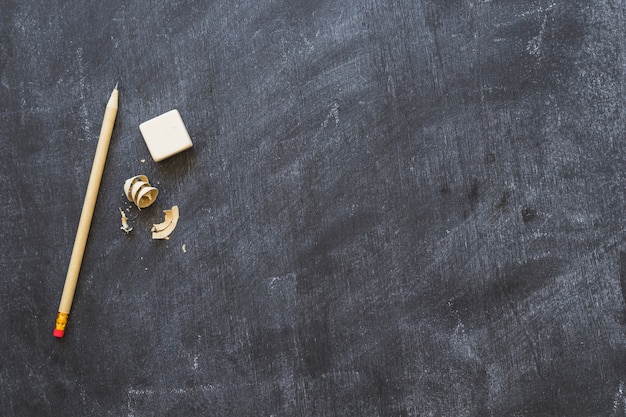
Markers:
<point>164,229</point>
<point>125,227</point>
<point>138,190</point>
<point>130,182</point>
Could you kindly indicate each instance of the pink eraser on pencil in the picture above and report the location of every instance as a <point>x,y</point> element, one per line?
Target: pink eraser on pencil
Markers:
<point>58,333</point>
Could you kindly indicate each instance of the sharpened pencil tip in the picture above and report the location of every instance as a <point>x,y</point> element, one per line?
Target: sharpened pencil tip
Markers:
<point>116,85</point>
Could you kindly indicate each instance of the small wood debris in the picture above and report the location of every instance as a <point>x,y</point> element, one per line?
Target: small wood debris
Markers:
<point>125,227</point>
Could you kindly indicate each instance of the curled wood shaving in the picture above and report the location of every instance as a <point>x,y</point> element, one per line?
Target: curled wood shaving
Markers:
<point>164,229</point>
<point>138,190</point>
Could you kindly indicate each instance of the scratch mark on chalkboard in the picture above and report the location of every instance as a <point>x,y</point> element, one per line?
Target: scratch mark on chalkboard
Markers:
<point>538,10</point>
<point>193,390</point>
<point>622,273</point>
<point>289,276</point>
<point>81,83</point>
<point>83,395</point>
<point>334,114</point>
<point>534,45</point>
<point>619,400</point>
<point>135,396</point>
<point>460,341</point>
<point>140,392</point>
<point>23,108</point>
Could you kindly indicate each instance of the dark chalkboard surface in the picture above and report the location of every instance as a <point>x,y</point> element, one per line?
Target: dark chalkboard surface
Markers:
<point>392,208</point>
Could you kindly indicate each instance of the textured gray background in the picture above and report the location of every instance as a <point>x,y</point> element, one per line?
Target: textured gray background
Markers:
<point>392,208</point>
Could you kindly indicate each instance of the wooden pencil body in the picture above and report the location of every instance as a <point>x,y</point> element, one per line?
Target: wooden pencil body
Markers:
<point>89,204</point>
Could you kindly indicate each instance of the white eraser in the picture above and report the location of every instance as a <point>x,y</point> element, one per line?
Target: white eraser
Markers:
<point>165,135</point>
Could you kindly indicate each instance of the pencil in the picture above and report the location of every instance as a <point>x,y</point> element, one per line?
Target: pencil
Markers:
<point>86,215</point>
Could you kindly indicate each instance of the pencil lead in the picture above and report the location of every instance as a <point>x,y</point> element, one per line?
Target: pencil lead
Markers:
<point>116,85</point>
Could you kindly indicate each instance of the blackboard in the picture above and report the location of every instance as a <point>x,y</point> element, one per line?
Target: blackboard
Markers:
<point>391,208</point>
